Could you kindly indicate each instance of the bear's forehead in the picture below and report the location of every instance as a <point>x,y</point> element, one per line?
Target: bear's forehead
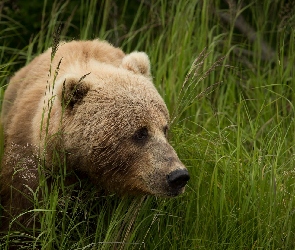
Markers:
<point>128,108</point>
<point>132,111</point>
<point>136,100</point>
<point>116,95</point>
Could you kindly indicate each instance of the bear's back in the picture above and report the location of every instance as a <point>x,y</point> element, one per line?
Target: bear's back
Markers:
<point>28,85</point>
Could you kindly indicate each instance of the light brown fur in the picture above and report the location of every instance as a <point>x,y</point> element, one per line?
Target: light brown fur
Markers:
<point>97,102</point>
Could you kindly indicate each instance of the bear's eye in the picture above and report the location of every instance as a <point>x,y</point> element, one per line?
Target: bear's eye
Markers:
<point>165,130</point>
<point>141,135</point>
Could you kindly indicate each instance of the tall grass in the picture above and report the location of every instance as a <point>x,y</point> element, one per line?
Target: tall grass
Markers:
<point>233,127</point>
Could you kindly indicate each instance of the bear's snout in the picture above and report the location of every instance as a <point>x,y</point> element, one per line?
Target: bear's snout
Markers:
<point>177,179</point>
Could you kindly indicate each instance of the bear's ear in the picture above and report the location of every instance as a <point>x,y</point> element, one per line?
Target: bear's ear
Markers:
<point>73,92</point>
<point>137,62</point>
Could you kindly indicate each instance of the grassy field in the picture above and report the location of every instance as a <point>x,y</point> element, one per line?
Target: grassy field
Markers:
<point>226,73</point>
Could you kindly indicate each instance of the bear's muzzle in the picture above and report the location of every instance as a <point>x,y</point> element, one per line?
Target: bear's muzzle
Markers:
<point>177,179</point>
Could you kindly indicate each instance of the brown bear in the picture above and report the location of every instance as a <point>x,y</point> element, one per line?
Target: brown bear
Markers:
<point>99,109</point>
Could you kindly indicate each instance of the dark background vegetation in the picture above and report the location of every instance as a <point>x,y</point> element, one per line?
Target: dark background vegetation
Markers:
<point>29,17</point>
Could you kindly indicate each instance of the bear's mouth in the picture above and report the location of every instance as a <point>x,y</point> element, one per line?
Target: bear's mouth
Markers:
<point>175,192</point>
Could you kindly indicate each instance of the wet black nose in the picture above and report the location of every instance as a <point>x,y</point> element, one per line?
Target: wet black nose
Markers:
<point>178,178</point>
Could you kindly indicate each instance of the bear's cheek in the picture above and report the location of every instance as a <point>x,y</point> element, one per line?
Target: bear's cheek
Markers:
<point>115,168</point>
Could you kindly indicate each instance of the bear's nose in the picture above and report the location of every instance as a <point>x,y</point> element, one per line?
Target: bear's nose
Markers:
<point>178,178</point>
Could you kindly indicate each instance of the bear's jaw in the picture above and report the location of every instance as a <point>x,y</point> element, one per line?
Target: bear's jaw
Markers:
<point>173,194</point>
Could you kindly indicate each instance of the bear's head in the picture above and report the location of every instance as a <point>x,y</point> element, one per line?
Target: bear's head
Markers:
<point>115,127</point>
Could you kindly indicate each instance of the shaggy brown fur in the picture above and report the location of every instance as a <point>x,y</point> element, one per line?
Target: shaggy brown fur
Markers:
<point>97,105</point>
